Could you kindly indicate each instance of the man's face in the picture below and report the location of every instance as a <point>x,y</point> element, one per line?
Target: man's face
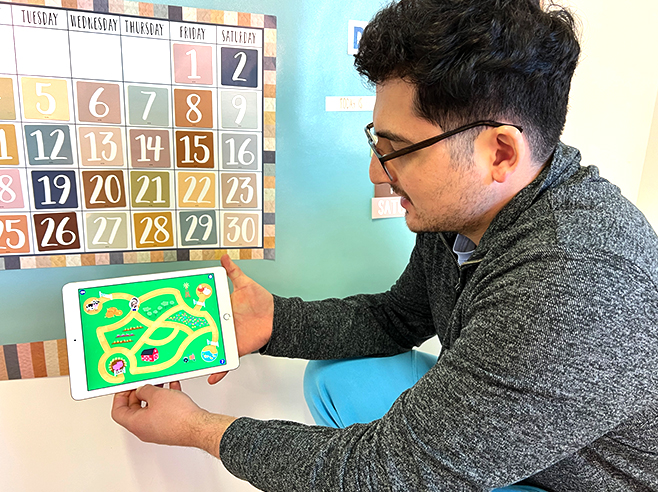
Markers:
<point>438,193</point>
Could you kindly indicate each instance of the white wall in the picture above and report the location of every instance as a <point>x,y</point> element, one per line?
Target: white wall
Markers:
<point>615,87</point>
<point>647,198</point>
<point>49,442</point>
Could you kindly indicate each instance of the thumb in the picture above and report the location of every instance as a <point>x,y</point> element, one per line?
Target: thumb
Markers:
<point>234,273</point>
<point>146,392</point>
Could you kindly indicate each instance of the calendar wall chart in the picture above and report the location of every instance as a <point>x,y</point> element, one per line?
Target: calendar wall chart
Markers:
<point>135,133</point>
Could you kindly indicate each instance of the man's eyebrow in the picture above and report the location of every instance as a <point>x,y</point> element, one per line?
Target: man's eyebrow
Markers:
<point>393,137</point>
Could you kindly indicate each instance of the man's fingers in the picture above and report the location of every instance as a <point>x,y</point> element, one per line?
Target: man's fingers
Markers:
<point>216,378</point>
<point>145,392</point>
<point>124,405</point>
<point>121,399</point>
<point>133,401</point>
<point>120,405</point>
<point>128,402</point>
<point>233,271</point>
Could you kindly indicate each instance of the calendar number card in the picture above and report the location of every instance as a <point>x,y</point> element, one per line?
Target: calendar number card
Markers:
<point>134,132</point>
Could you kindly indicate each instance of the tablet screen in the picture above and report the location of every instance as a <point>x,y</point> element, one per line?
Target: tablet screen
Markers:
<point>147,329</point>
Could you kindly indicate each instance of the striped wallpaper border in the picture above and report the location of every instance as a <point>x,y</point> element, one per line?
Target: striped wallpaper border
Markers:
<point>131,257</point>
<point>33,360</point>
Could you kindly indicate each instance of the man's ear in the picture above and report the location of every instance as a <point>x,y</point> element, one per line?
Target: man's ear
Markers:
<point>504,149</point>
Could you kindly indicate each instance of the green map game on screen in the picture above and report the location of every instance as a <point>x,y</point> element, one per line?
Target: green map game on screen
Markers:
<point>149,329</point>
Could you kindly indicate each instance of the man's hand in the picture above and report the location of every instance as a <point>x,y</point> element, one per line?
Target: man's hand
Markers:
<point>169,417</point>
<point>253,313</point>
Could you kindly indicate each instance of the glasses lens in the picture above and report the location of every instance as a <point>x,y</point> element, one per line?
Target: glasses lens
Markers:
<point>372,140</point>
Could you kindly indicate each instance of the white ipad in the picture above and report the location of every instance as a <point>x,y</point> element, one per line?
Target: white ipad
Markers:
<point>122,333</point>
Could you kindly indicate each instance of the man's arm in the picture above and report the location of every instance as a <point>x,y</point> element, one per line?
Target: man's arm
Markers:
<point>363,325</point>
<point>368,324</point>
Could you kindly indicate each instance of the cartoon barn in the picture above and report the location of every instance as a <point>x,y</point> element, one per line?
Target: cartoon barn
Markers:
<point>150,355</point>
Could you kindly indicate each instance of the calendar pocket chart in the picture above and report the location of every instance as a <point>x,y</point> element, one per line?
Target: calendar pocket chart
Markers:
<point>134,132</point>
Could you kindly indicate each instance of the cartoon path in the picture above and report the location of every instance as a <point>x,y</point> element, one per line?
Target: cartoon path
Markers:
<point>151,326</point>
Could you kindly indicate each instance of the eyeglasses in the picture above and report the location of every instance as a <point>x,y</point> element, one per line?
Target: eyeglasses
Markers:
<point>383,158</point>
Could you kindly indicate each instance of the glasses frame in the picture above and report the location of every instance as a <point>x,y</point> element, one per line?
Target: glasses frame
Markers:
<point>383,158</point>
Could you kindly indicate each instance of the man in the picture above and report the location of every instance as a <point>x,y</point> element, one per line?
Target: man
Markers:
<point>539,278</point>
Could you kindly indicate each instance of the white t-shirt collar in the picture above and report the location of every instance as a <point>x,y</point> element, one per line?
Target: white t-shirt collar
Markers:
<point>463,248</point>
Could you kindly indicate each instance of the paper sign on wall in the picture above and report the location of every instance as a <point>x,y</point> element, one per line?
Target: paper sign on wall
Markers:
<point>354,32</point>
<point>386,203</point>
<point>349,103</point>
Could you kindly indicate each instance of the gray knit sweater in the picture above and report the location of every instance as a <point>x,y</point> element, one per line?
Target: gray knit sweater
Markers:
<point>549,366</point>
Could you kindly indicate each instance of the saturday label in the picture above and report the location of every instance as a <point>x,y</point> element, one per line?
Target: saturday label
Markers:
<point>239,37</point>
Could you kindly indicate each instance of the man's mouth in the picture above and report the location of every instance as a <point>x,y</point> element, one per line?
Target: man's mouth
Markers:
<point>404,198</point>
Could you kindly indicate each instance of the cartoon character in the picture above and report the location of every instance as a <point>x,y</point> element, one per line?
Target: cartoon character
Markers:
<point>134,304</point>
<point>118,366</point>
<point>92,306</point>
<point>204,290</point>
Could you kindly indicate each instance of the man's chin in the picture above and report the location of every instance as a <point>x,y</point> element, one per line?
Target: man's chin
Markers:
<point>417,225</point>
<point>412,223</point>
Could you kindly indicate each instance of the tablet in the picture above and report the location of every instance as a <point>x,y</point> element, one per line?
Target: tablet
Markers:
<point>122,333</point>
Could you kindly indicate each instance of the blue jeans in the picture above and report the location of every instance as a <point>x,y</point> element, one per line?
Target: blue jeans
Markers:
<point>340,393</point>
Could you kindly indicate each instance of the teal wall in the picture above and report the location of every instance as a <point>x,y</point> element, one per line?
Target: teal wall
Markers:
<point>326,243</point>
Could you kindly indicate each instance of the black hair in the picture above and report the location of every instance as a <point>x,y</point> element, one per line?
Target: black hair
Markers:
<point>478,59</point>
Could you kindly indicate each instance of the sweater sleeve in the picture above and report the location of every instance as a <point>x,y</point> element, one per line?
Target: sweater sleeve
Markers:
<point>361,325</point>
<point>544,366</point>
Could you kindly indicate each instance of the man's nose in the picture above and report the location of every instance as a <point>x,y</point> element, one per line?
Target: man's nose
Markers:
<point>377,173</point>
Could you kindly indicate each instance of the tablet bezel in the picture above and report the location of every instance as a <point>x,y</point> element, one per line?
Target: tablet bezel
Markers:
<point>74,340</point>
